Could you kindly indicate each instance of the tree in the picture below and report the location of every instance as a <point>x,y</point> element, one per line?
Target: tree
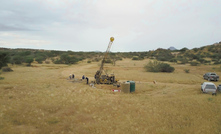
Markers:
<point>184,49</point>
<point>17,59</point>
<point>29,60</point>
<point>4,59</point>
<point>39,59</point>
<point>66,59</point>
<point>163,55</point>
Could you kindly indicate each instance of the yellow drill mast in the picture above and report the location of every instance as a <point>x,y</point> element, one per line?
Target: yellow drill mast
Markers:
<point>105,79</point>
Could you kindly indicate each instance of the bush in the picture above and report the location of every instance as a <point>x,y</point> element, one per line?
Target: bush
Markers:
<point>194,63</point>
<point>96,59</point>
<point>66,59</point>
<point>88,61</point>
<point>1,78</point>
<point>17,59</point>
<point>4,59</point>
<point>173,60</point>
<point>135,58</point>
<point>201,60</point>
<point>217,62</point>
<point>29,60</point>
<point>186,70</point>
<point>57,61</point>
<point>158,67</point>
<point>7,69</point>
<point>183,61</point>
<point>39,59</point>
<point>108,61</point>
<point>163,55</point>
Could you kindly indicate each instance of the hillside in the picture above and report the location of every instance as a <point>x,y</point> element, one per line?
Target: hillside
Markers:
<point>210,54</point>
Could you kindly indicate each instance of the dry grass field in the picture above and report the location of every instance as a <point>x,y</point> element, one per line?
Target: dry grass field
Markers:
<point>40,100</point>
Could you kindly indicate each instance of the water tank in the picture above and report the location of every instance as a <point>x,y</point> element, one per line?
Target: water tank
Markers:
<point>132,86</point>
<point>125,87</point>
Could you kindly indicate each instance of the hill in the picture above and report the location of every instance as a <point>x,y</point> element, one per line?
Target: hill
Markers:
<point>210,54</point>
<point>172,48</point>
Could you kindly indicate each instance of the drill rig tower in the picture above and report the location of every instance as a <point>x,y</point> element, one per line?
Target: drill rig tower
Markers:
<point>101,78</point>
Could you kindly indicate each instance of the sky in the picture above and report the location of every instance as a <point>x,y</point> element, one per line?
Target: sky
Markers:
<point>87,25</point>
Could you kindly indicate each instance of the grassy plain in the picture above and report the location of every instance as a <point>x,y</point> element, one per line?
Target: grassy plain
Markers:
<point>40,100</point>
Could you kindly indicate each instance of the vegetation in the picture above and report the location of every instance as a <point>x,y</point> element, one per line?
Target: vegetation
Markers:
<point>186,70</point>
<point>29,60</point>
<point>194,63</point>
<point>163,55</point>
<point>53,104</point>
<point>66,59</point>
<point>4,59</point>
<point>135,58</point>
<point>156,66</point>
<point>6,69</point>
<point>205,55</point>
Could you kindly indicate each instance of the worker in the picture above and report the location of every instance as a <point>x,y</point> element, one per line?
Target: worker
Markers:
<point>72,76</point>
<point>83,77</point>
<point>87,79</point>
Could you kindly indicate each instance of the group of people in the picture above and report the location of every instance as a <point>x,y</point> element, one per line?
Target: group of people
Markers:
<point>83,77</point>
<point>71,76</point>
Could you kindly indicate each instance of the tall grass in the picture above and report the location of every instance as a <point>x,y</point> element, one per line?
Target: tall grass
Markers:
<point>40,99</point>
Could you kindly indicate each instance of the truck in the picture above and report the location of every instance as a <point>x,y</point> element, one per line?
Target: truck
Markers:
<point>207,87</point>
<point>211,76</point>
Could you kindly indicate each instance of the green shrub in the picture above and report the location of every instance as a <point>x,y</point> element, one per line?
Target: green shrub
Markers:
<point>183,61</point>
<point>66,59</point>
<point>96,59</point>
<point>2,78</point>
<point>164,67</point>
<point>186,70</point>
<point>108,61</point>
<point>135,58</point>
<point>201,60</point>
<point>29,60</point>
<point>7,69</point>
<point>39,59</point>
<point>17,59</point>
<point>158,67</point>
<point>173,60</point>
<point>4,59</point>
<point>194,63</point>
<point>88,61</point>
<point>26,53</point>
<point>217,62</point>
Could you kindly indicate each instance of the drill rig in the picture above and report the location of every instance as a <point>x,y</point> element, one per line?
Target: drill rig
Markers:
<point>101,78</point>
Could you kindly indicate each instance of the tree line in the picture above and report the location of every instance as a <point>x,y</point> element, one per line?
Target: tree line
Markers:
<point>204,55</point>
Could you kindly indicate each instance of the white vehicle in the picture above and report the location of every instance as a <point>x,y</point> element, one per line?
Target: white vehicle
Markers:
<point>207,87</point>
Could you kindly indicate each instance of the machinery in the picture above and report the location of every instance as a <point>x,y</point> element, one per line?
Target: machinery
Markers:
<point>100,77</point>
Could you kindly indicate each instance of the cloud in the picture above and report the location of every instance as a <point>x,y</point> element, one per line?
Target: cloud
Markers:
<point>87,25</point>
<point>13,40</point>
